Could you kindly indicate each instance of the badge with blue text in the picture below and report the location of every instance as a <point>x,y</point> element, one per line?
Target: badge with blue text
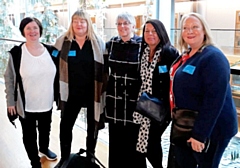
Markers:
<point>72,53</point>
<point>189,69</point>
<point>55,53</point>
<point>162,69</point>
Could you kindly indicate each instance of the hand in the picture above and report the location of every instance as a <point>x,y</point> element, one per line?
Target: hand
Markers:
<point>11,110</point>
<point>196,145</point>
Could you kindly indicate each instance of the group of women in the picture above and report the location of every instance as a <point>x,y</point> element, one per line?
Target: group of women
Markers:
<point>108,79</point>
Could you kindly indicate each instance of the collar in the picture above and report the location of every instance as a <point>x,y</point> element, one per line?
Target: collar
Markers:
<point>132,39</point>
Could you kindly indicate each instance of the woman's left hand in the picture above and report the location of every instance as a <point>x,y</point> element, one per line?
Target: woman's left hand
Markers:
<point>196,145</point>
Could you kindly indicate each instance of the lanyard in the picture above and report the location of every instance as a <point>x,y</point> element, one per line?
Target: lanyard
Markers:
<point>173,70</point>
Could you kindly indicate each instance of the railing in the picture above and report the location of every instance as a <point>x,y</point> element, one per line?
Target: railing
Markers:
<point>5,46</point>
<point>12,40</point>
<point>227,39</point>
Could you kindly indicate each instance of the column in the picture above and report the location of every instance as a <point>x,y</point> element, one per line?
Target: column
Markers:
<point>165,11</point>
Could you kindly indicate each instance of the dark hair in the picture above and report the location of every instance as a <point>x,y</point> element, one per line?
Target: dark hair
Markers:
<point>161,32</point>
<point>27,20</point>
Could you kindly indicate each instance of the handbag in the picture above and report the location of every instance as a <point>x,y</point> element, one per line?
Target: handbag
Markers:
<point>152,108</point>
<point>75,160</point>
<point>182,125</point>
<point>12,118</point>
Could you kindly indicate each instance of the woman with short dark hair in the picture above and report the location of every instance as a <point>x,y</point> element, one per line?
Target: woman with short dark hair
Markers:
<point>29,81</point>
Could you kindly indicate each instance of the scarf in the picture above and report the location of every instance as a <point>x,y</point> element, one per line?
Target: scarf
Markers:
<point>100,79</point>
<point>146,73</point>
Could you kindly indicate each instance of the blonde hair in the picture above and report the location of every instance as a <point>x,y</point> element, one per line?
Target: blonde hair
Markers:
<point>183,46</point>
<point>82,15</point>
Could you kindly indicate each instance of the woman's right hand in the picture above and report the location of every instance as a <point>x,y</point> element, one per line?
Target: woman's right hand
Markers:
<point>196,145</point>
<point>11,110</point>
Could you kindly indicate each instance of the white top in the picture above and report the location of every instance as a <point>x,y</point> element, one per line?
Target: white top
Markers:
<point>37,74</point>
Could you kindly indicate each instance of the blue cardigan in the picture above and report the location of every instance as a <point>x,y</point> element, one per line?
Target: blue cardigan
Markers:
<point>202,84</point>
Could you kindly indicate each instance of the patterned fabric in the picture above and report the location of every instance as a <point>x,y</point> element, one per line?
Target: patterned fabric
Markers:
<point>123,85</point>
<point>146,73</point>
<point>63,45</point>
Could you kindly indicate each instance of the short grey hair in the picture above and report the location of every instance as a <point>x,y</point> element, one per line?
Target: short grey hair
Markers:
<point>126,16</point>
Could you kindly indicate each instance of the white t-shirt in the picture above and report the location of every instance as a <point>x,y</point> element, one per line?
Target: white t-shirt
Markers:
<point>37,74</point>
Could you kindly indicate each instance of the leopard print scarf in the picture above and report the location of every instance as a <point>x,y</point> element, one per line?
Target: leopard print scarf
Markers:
<point>146,73</point>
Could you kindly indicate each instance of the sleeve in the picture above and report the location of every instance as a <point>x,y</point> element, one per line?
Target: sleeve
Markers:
<point>215,75</point>
<point>9,77</point>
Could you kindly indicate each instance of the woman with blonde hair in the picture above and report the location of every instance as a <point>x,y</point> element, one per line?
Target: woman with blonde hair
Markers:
<point>81,79</point>
<point>200,83</point>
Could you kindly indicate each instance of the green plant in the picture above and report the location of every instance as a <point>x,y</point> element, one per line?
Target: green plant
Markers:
<point>5,32</point>
<point>49,22</point>
<point>5,24</point>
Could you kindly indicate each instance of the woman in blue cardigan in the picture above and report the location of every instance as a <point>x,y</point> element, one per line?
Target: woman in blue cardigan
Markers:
<point>200,82</point>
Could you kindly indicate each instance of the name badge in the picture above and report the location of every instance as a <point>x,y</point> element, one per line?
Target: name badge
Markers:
<point>72,53</point>
<point>189,69</point>
<point>162,69</point>
<point>55,53</point>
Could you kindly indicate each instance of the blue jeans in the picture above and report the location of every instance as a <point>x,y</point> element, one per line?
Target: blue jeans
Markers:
<point>187,158</point>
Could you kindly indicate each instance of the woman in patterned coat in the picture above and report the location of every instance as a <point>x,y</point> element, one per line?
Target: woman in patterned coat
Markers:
<point>122,91</point>
<point>157,55</point>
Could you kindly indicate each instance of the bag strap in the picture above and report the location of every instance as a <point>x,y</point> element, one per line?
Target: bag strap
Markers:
<point>81,151</point>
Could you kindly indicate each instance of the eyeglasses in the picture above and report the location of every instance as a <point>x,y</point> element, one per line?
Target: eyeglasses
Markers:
<point>189,29</point>
<point>152,32</point>
<point>124,24</point>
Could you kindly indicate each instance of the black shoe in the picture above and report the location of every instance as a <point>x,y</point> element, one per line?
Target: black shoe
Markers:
<point>60,163</point>
<point>48,154</point>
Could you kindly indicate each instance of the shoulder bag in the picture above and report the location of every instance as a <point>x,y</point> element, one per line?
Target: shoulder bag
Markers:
<point>182,125</point>
<point>152,108</point>
<point>76,160</point>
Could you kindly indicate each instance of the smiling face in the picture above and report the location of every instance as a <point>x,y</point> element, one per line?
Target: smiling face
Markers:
<point>192,32</point>
<point>151,36</point>
<point>32,31</point>
<point>125,29</point>
<point>79,26</point>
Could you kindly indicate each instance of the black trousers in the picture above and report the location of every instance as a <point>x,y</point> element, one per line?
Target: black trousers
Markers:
<point>122,146</point>
<point>30,124</point>
<point>154,150</point>
<point>186,157</point>
<point>68,118</point>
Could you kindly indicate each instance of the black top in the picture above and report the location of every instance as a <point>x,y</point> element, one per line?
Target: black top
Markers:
<point>81,71</point>
<point>161,80</point>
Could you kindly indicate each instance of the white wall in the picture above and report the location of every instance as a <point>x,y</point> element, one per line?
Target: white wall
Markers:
<point>111,14</point>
